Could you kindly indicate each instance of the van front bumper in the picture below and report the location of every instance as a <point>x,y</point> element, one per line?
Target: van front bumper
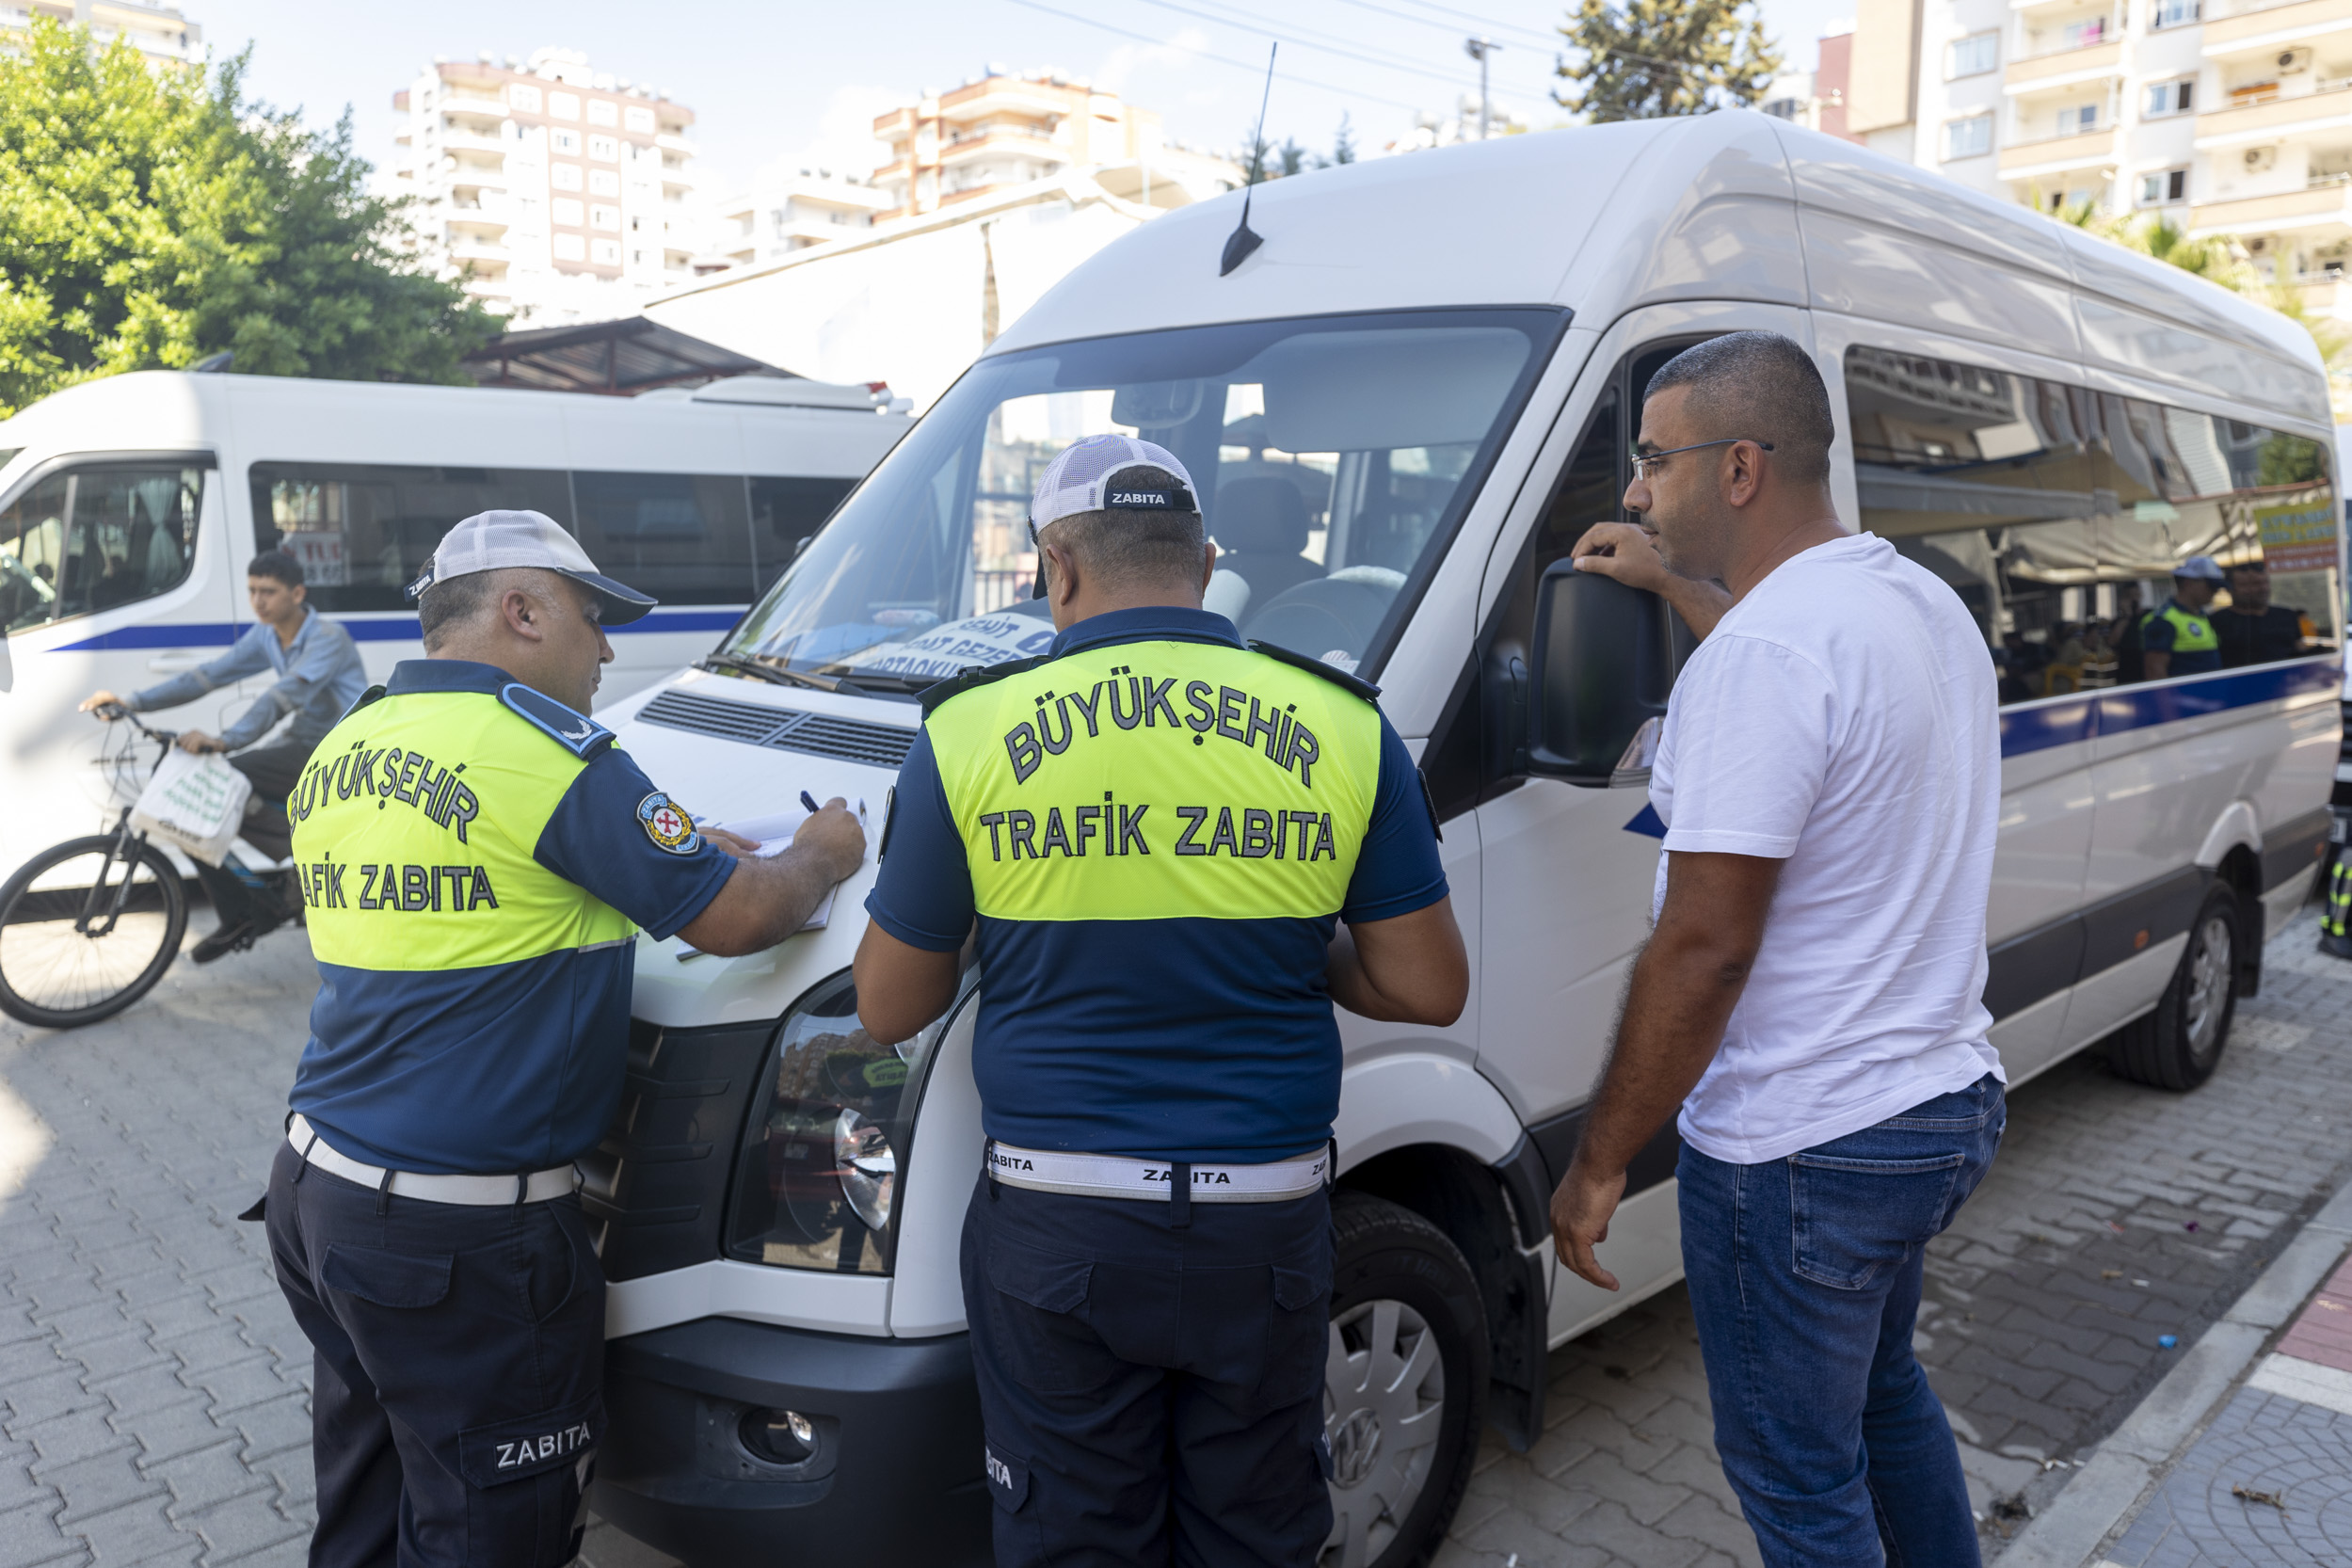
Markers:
<point>894,1475</point>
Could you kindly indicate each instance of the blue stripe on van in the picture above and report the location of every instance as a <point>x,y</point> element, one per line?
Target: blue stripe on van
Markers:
<point>2120,709</point>
<point>390,630</point>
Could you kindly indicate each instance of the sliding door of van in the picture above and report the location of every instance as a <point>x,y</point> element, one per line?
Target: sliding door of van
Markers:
<point>114,576</point>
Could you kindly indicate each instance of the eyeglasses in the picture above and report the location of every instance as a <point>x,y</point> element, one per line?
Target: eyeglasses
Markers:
<point>1646,464</point>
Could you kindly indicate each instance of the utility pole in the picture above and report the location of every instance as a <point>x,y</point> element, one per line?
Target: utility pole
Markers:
<point>1477,49</point>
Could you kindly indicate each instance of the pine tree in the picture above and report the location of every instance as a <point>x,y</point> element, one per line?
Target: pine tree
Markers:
<point>1647,58</point>
<point>1342,143</point>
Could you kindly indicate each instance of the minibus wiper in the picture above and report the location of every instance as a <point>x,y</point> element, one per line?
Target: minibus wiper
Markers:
<point>775,674</point>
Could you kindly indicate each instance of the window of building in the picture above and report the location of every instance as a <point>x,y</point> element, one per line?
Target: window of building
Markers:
<point>564,105</point>
<point>638,120</point>
<point>363,532</point>
<point>1968,138</point>
<point>1976,54</point>
<point>567,141</point>
<point>2168,98</point>
<point>602,216</point>
<point>2057,514</point>
<point>605,149</point>
<point>2172,13</point>
<point>564,176</point>
<point>568,247</point>
<point>2161,187</point>
<point>92,538</point>
<point>521,98</point>
<point>568,211</point>
<point>603,111</point>
<point>2077,118</point>
<point>604,252</point>
<point>603,181</point>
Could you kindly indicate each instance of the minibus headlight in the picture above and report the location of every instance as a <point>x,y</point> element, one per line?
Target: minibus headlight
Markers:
<point>833,1112</point>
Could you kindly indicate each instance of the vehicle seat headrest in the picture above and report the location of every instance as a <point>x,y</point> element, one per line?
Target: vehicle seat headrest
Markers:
<point>1259,516</point>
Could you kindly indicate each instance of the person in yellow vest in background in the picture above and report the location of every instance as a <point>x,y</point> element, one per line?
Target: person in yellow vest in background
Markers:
<point>475,859</point>
<point>1154,833</point>
<point>2177,638</point>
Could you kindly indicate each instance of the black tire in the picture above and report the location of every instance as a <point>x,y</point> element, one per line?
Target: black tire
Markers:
<point>2179,1044</point>
<point>1408,1330</point>
<point>52,976</point>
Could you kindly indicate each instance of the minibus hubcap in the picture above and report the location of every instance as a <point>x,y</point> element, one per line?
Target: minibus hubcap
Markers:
<point>1383,1406</point>
<point>2208,985</point>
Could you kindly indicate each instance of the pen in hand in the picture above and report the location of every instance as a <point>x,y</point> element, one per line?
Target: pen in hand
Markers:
<point>809,801</point>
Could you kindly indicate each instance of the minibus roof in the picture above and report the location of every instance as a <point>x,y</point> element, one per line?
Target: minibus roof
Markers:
<point>1729,205</point>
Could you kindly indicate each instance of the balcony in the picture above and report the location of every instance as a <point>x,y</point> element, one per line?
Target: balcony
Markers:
<point>2057,154</point>
<point>2314,207</point>
<point>2239,26</point>
<point>473,142</point>
<point>472,219</point>
<point>2259,118</point>
<point>2082,62</point>
<point>473,248</point>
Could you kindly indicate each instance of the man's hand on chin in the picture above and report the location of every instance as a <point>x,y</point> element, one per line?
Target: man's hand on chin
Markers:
<point>1581,1210</point>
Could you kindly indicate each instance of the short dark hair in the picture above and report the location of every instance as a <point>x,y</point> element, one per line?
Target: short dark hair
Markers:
<point>2260,566</point>
<point>454,603</point>
<point>279,565</point>
<point>1761,387</point>
<point>1130,547</point>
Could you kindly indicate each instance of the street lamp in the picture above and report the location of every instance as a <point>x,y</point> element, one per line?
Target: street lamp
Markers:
<point>1477,49</point>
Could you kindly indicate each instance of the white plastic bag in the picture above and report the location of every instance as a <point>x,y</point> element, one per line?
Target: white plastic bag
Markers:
<point>195,804</point>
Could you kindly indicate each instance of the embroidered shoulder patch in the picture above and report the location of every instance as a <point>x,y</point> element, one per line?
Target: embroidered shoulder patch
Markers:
<point>668,826</point>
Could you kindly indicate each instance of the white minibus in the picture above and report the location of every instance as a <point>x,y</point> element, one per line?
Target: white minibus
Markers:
<point>129,507</point>
<point>1403,411</point>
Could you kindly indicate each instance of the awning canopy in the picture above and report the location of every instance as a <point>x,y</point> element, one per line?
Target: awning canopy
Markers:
<point>611,358</point>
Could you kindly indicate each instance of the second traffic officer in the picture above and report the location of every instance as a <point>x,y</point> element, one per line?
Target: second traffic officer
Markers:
<point>1157,831</point>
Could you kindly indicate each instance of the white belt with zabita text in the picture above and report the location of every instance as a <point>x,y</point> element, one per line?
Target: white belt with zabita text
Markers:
<point>1112,1176</point>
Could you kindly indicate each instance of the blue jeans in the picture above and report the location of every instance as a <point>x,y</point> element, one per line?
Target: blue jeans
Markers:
<point>1804,1276</point>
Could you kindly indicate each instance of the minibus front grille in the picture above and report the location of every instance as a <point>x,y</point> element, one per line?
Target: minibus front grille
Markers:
<point>881,746</point>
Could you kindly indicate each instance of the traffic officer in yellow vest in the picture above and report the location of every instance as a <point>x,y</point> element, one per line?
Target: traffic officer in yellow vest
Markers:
<point>1156,831</point>
<point>476,859</point>
<point>2177,638</point>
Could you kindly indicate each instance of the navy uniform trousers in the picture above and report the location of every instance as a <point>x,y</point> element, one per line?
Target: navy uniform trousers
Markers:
<point>460,1362</point>
<point>1151,1380</point>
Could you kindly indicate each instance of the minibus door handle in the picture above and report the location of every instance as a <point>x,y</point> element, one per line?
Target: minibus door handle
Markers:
<point>175,662</point>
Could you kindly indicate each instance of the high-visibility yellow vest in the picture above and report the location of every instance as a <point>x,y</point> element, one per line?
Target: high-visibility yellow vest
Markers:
<point>2191,632</point>
<point>1158,781</point>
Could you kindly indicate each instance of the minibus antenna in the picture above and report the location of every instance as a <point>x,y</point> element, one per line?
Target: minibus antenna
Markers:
<point>1244,239</point>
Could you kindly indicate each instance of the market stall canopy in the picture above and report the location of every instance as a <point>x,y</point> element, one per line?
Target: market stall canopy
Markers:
<point>611,359</point>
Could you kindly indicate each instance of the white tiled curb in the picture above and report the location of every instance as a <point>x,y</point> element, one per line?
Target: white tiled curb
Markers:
<point>2123,1468</point>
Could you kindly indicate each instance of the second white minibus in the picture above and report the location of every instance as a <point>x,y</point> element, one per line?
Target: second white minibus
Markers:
<point>129,507</point>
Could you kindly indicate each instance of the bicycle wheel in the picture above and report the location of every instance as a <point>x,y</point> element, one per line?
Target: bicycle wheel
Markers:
<point>87,929</point>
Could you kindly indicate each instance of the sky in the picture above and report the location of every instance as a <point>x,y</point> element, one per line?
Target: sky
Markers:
<point>784,84</point>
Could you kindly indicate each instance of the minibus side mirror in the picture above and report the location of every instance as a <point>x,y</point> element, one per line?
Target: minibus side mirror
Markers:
<point>1602,667</point>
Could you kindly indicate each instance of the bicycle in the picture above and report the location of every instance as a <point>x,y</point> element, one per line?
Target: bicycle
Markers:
<point>88,926</point>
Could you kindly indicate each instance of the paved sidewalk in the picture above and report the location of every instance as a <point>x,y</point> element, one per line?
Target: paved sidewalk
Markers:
<point>153,1391</point>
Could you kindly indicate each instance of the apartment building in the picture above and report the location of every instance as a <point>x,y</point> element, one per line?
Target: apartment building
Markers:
<point>1000,129</point>
<point>559,193</point>
<point>158,32</point>
<point>2232,117</point>
<point>1816,99</point>
<point>786,212</point>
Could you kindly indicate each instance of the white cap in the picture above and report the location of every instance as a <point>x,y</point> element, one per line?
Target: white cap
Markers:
<point>1085,478</point>
<point>2203,568</point>
<point>493,542</point>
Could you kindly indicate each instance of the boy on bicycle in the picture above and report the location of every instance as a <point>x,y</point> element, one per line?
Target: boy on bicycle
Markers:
<point>319,678</point>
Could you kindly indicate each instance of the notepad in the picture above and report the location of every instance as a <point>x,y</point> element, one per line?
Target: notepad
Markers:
<point>773,835</point>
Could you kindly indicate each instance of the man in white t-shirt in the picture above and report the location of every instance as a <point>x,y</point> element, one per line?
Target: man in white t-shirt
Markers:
<point>1812,993</point>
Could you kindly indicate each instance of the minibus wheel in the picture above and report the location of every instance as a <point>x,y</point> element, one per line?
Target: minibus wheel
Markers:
<point>1405,1389</point>
<point>2179,1044</point>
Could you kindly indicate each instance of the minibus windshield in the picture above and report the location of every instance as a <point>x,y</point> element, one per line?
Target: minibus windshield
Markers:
<point>1332,457</point>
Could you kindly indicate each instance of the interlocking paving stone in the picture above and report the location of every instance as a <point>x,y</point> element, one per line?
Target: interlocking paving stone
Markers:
<point>131,1300</point>
<point>2261,1442</point>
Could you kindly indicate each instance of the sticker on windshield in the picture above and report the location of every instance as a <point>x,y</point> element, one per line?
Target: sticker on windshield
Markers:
<point>959,645</point>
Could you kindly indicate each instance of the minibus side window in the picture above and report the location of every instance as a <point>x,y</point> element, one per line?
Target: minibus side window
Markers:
<point>684,538</point>
<point>785,512</point>
<point>93,537</point>
<point>363,531</point>
<point>2058,515</point>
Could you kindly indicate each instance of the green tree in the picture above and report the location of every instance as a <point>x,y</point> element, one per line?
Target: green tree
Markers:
<point>1644,59</point>
<point>150,219</point>
<point>1342,145</point>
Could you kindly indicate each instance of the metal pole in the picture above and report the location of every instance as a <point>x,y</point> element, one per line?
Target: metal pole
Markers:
<point>1477,49</point>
